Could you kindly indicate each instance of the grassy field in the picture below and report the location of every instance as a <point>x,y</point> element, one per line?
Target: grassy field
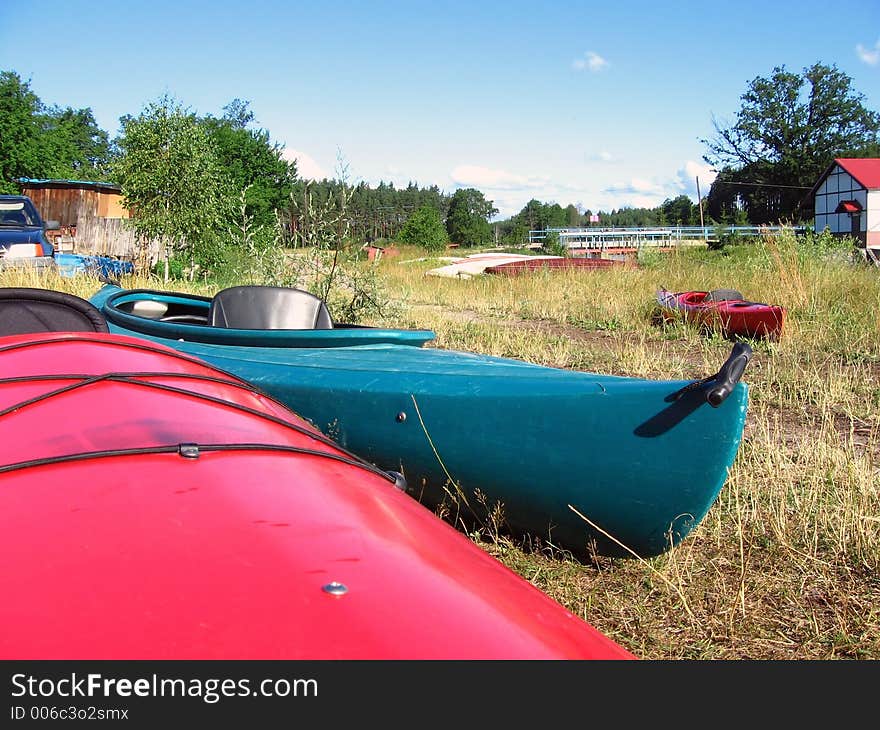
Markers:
<point>786,565</point>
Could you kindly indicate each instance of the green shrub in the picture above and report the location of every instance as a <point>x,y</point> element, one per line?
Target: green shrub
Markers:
<point>425,228</point>
<point>552,246</point>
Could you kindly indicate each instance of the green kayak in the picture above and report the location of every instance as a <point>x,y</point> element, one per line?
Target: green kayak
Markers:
<point>587,462</point>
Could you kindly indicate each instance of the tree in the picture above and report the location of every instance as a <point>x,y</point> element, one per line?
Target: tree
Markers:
<point>19,131</point>
<point>789,129</point>
<point>424,228</point>
<point>39,142</point>
<point>512,232</point>
<point>538,216</point>
<point>79,148</point>
<point>172,180</point>
<point>252,162</point>
<point>468,219</point>
<point>679,211</point>
<point>238,113</point>
<point>573,217</point>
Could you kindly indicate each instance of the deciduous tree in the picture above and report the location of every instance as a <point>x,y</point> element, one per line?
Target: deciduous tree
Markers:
<point>468,219</point>
<point>41,142</point>
<point>790,127</point>
<point>171,179</point>
<point>680,211</point>
<point>425,228</point>
<point>252,161</point>
<point>78,147</point>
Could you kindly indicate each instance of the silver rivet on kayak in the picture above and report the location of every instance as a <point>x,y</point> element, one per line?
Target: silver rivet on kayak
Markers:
<point>401,417</point>
<point>334,588</point>
<point>188,451</point>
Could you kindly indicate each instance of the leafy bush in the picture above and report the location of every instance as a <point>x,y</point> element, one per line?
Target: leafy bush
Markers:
<point>723,236</point>
<point>425,228</point>
<point>253,254</point>
<point>552,246</point>
<point>825,245</point>
<point>176,269</point>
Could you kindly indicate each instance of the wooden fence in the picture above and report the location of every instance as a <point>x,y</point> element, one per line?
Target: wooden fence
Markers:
<point>114,237</point>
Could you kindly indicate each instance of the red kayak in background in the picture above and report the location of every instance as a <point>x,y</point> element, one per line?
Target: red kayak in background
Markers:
<point>514,268</point>
<point>153,507</point>
<point>724,310</point>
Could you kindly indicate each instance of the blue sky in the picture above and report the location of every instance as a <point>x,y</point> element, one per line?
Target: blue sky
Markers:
<point>602,105</point>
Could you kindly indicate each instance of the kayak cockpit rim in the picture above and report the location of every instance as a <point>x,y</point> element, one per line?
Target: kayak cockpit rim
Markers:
<point>183,316</point>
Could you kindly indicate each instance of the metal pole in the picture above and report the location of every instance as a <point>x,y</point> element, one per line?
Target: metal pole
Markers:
<point>700,202</point>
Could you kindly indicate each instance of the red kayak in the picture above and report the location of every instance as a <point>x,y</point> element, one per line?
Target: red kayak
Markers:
<point>153,507</point>
<point>725,310</point>
<point>514,268</point>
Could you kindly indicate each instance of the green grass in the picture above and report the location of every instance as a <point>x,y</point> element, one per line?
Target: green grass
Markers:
<point>787,562</point>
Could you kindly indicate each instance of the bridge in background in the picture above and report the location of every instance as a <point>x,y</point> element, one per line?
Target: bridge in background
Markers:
<point>600,239</point>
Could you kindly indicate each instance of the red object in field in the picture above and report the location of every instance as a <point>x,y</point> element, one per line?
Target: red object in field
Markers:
<point>153,507</point>
<point>723,309</point>
<point>513,268</point>
<point>374,253</point>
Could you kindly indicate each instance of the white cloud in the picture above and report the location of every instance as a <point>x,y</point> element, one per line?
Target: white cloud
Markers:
<point>467,176</point>
<point>601,156</point>
<point>871,56</point>
<point>306,167</point>
<point>648,193</point>
<point>687,178</point>
<point>508,205</point>
<point>637,186</point>
<point>591,61</point>
<point>510,191</point>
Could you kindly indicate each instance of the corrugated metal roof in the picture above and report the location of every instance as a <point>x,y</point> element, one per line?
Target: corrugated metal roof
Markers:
<point>109,187</point>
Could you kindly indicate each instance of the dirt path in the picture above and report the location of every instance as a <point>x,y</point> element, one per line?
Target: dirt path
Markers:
<point>609,341</point>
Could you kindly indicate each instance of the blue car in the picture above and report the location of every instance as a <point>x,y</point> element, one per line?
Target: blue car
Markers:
<point>23,240</point>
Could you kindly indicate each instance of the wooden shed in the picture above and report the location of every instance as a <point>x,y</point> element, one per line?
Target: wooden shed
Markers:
<point>66,201</point>
<point>91,215</point>
<point>847,201</point>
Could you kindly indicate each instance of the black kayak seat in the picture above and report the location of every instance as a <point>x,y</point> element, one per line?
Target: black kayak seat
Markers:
<point>268,308</point>
<point>723,295</point>
<point>24,310</point>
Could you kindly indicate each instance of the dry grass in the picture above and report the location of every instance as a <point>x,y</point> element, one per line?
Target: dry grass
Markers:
<point>786,565</point>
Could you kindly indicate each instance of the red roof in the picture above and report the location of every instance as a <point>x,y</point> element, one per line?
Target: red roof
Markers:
<point>848,206</point>
<point>866,170</point>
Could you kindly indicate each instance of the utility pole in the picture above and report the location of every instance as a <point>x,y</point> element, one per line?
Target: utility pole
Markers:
<point>700,202</point>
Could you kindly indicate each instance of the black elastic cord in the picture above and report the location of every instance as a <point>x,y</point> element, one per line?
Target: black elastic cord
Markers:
<point>234,380</point>
<point>177,449</point>
<point>147,347</point>
<point>132,379</point>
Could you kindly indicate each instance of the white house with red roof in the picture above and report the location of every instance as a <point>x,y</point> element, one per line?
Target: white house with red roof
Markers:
<point>847,200</point>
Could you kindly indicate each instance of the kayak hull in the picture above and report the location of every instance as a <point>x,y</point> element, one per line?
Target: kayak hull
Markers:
<point>515,268</point>
<point>736,317</point>
<point>584,461</point>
